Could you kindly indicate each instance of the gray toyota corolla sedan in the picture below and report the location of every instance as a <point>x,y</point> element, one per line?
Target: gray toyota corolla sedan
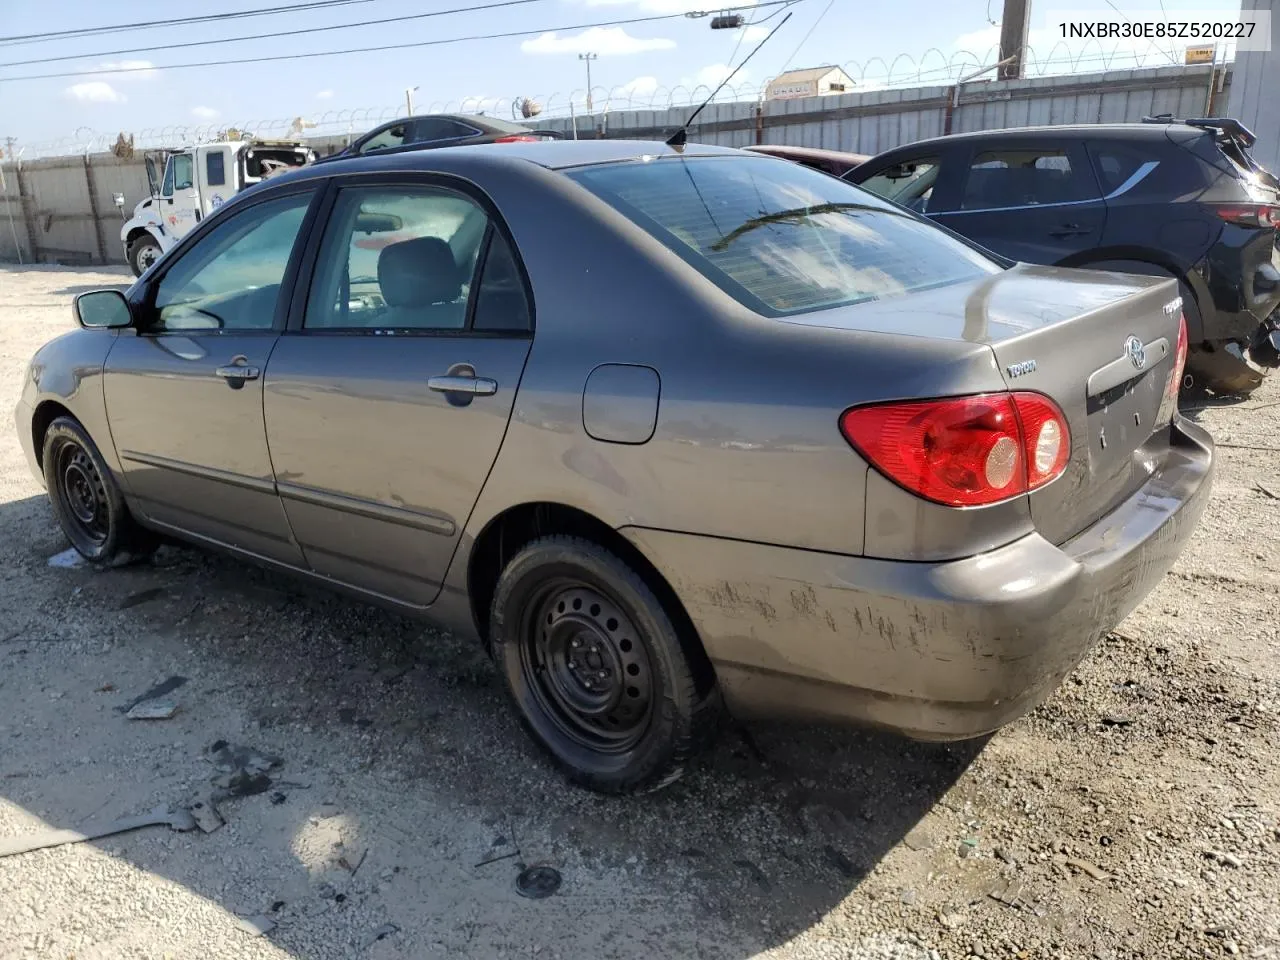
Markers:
<point>665,429</point>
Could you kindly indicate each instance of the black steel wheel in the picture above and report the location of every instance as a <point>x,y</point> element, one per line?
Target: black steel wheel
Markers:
<point>596,668</point>
<point>85,498</point>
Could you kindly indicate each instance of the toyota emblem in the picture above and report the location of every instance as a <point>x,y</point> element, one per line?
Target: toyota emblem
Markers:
<point>1136,353</point>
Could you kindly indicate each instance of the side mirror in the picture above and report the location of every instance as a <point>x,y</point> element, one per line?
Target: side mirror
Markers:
<point>103,309</point>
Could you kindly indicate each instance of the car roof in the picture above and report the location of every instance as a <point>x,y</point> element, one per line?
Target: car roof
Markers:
<point>817,153</point>
<point>552,154</point>
<point>1095,131</point>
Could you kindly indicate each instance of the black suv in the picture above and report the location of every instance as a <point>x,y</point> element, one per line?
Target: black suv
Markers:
<point>1162,197</point>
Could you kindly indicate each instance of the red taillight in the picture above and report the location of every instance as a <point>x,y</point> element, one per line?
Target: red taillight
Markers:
<point>1248,214</point>
<point>516,138</point>
<point>964,451</point>
<point>1175,374</point>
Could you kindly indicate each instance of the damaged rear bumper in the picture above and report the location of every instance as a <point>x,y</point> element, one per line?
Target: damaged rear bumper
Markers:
<point>937,651</point>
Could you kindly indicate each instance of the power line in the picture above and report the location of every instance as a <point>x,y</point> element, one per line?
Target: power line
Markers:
<point>268,36</point>
<point>805,38</point>
<point>382,48</point>
<point>204,18</point>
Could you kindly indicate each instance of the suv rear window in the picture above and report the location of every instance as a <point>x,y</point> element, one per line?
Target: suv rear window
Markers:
<point>781,238</point>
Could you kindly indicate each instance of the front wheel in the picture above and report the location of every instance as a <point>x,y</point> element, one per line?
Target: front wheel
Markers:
<point>143,252</point>
<point>596,667</point>
<point>86,501</point>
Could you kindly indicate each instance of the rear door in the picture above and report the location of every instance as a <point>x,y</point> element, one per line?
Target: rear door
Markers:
<point>1031,202</point>
<point>388,397</point>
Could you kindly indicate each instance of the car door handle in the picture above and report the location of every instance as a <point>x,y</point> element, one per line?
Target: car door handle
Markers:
<point>237,373</point>
<point>476,386</point>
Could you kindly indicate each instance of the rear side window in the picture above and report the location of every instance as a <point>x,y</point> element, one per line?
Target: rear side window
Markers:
<point>1023,177</point>
<point>1116,164</point>
<point>908,182</point>
<point>779,237</point>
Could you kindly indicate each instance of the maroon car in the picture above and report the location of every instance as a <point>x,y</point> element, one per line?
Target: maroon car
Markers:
<point>835,162</point>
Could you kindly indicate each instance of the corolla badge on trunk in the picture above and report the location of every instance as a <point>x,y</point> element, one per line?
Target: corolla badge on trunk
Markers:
<point>1020,369</point>
<point>1136,353</point>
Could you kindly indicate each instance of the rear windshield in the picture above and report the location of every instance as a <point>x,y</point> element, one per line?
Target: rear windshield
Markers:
<point>780,238</point>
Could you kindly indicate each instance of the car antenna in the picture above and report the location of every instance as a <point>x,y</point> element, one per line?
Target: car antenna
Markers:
<point>681,136</point>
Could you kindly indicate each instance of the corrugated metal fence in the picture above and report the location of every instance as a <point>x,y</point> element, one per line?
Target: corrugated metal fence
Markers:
<point>61,209</point>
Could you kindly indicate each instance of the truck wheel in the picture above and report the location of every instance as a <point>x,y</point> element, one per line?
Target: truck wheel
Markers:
<point>596,667</point>
<point>143,252</point>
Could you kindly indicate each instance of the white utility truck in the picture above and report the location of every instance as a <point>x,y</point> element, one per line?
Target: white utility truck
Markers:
<point>196,182</point>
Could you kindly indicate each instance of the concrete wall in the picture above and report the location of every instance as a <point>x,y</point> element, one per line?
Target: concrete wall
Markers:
<point>62,207</point>
<point>1253,95</point>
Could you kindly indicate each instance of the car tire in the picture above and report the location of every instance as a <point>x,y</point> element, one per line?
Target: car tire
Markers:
<point>143,252</point>
<point>86,500</point>
<point>596,667</point>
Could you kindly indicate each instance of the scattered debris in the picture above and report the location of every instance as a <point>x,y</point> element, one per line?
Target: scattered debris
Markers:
<point>538,882</point>
<point>180,820</point>
<point>68,559</point>
<point>501,856</point>
<point>278,798</point>
<point>159,690</point>
<point>206,814</point>
<point>1114,720</point>
<point>243,770</point>
<point>384,931</point>
<point>256,926</point>
<point>1267,490</point>
<point>1226,859</point>
<point>105,688</point>
<point>140,597</point>
<point>153,710</point>
<point>1084,866</point>
<point>346,864</point>
<point>1010,894</point>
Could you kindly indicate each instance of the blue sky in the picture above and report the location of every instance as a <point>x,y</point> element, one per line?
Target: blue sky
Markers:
<point>646,59</point>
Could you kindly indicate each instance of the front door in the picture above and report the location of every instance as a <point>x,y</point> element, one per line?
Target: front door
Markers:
<point>385,409</point>
<point>1029,202</point>
<point>184,391</point>
<point>179,199</point>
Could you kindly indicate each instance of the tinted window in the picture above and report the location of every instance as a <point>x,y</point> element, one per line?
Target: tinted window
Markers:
<point>501,302</point>
<point>782,238</point>
<point>393,136</point>
<point>1024,177</point>
<point>215,167</point>
<point>182,167</point>
<point>909,183</point>
<point>397,258</point>
<point>230,279</point>
<point>432,128</point>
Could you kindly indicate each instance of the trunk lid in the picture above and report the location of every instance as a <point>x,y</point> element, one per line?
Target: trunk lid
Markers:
<point>1101,345</point>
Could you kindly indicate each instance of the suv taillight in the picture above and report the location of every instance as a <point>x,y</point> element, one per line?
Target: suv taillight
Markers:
<point>964,451</point>
<point>1248,214</point>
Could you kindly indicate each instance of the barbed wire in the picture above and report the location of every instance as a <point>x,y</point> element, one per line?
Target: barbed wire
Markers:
<point>933,68</point>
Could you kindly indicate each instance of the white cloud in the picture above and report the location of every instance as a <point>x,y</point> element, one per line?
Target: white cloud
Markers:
<point>324,95</point>
<point>130,69</point>
<point>606,41</point>
<point>713,75</point>
<point>639,87</point>
<point>94,91</point>
<point>754,35</point>
<point>204,113</point>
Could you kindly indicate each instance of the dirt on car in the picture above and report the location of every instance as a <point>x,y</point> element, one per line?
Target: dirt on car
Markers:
<point>375,797</point>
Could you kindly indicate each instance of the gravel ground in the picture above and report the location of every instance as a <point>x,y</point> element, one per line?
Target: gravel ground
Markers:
<point>1134,815</point>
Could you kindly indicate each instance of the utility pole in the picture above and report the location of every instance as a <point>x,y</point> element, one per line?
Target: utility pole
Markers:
<point>408,101</point>
<point>1014,26</point>
<point>587,58</point>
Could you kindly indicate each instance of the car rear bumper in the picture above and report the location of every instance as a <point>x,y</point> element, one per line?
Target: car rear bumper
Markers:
<point>937,651</point>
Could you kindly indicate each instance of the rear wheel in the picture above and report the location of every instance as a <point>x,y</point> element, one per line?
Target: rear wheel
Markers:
<point>143,252</point>
<point>86,500</point>
<point>596,667</point>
